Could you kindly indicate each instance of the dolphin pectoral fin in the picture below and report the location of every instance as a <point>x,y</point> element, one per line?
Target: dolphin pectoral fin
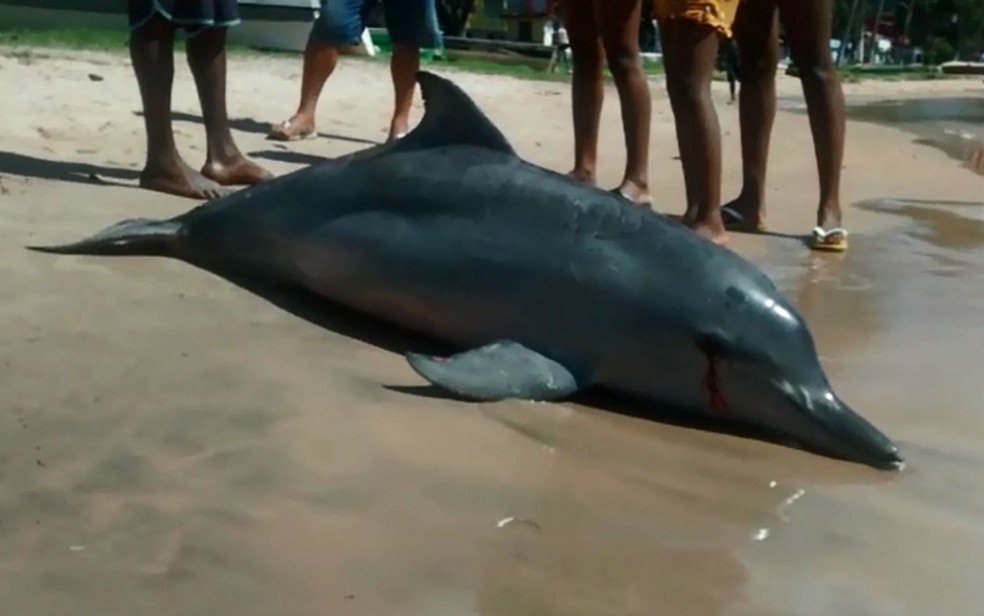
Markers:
<point>498,371</point>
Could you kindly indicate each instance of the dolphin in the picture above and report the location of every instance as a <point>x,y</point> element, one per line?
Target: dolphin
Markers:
<point>545,286</point>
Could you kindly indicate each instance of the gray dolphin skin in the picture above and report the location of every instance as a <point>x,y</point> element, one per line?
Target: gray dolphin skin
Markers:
<point>545,285</point>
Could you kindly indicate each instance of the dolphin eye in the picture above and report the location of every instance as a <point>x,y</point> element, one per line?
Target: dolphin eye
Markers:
<point>735,296</point>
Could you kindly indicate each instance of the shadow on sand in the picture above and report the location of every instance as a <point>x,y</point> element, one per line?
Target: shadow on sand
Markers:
<point>786,236</point>
<point>350,323</point>
<point>288,156</point>
<point>249,125</point>
<point>12,163</point>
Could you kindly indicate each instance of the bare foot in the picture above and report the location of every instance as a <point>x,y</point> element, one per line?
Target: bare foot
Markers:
<point>298,127</point>
<point>713,231</point>
<point>588,177</point>
<point>180,180</point>
<point>240,170</point>
<point>743,214</point>
<point>635,192</point>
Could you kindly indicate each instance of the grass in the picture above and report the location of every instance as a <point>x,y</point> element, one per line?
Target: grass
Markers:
<point>116,38</point>
<point>109,39</point>
<point>65,38</point>
<point>858,73</point>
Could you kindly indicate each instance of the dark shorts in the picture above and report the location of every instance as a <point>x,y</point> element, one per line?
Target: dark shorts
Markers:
<point>192,15</point>
<point>412,23</point>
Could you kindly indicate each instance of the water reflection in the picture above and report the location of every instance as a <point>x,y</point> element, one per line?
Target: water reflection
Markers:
<point>954,125</point>
<point>898,319</point>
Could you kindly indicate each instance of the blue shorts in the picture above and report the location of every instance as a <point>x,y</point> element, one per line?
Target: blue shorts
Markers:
<point>412,23</point>
<point>191,16</point>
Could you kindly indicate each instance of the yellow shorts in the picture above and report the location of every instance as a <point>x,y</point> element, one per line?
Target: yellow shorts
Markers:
<point>718,14</point>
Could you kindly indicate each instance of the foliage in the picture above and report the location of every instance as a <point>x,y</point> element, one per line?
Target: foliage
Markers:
<point>941,27</point>
<point>930,24</point>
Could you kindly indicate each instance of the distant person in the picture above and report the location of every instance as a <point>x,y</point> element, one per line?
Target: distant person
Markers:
<point>560,43</point>
<point>690,31</point>
<point>152,28</point>
<point>412,25</point>
<point>808,31</point>
<point>602,30</point>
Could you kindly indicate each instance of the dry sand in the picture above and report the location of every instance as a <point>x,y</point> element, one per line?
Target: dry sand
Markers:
<point>173,444</point>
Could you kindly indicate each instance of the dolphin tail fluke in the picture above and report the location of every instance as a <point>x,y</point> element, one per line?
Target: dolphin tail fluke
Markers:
<point>137,236</point>
<point>498,371</point>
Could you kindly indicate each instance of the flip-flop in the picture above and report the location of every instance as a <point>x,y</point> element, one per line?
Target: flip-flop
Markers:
<point>735,221</point>
<point>834,240</point>
<point>282,132</point>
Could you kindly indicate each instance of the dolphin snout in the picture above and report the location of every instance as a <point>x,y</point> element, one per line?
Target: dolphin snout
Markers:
<point>852,436</point>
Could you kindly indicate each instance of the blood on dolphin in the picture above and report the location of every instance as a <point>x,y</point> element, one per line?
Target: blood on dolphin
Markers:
<point>547,286</point>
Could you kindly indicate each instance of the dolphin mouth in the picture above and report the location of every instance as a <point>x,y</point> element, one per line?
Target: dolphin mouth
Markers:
<point>851,436</point>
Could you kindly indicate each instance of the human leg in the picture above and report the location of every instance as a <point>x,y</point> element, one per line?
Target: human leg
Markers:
<point>339,22</point>
<point>412,26</point>
<point>690,51</point>
<point>808,30</point>
<point>224,162</point>
<point>152,54</point>
<point>756,31</point>
<point>587,89</point>
<point>618,22</point>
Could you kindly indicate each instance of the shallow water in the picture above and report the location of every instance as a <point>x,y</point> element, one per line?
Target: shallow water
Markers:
<point>954,125</point>
<point>898,322</point>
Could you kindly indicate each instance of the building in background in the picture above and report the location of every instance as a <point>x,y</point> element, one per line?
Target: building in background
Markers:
<point>523,21</point>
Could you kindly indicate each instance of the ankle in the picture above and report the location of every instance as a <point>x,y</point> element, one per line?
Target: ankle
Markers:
<point>224,157</point>
<point>639,184</point>
<point>163,164</point>
<point>582,174</point>
<point>303,116</point>
<point>751,197</point>
<point>399,123</point>
<point>828,212</point>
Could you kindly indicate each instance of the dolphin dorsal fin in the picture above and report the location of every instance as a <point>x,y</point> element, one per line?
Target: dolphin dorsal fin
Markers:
<point>451,117</point>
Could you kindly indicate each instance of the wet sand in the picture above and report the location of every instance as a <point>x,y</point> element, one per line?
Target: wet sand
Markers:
<point>172,443</point>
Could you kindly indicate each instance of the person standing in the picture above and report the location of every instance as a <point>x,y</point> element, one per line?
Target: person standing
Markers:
<point>412,25</point>
<point>690,31</point>
<point>601,30</point>
<point>153,24</point>
<point>808,31</point>
<point>560,44</point>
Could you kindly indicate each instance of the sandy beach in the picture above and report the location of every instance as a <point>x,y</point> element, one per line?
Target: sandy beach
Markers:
<point>171,443</point>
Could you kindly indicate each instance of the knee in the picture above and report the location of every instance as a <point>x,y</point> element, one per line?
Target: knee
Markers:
<point>623,58</point>
<point>757,68</point>
<point>817,71</point>
<point>586,58</point>
<point>688,91</point>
